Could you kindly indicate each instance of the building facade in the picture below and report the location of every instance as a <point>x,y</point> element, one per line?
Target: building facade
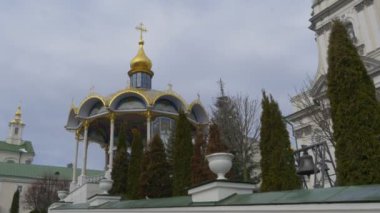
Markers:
<point>311,117</point>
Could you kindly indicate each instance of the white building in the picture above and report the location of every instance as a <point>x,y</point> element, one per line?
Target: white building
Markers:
<point>16,169</point>
<point>310,119</point>
<point>14,149</point>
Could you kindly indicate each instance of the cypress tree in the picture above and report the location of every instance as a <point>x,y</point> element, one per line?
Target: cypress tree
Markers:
<point>277,162</point>
<point>154,180</point>
<point>15,202</point>
<point>169,152</point>
<point>182,153</point>
<point>120,165</point>
<point>354,111</point>
<point>143,178</point>
<point>199,167</point>
<point>134,167</point>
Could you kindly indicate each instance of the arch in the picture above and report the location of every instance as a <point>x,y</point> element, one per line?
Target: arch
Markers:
<point>169,103</point>
<point>128,100</point>
<point>198,113</point>
<point>93,105</point>
<point>10,160</point>
<point>72,122</point>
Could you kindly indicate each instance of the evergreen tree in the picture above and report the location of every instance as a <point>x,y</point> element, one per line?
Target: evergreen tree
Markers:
<point>120,165</point>
<point>182,153</point>
<point>214,142</point>
<point>199,167</point>
<point>143,179</point>
<point>224,115</point>
<point>277,162</point>
<point>134,167</point>
<point>154,180</point>
<point>169,151</point>
<point>15,202</point>
<point>354,111</point>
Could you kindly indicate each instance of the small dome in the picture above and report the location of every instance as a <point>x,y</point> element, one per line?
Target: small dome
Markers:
<point>17,118</point>
<point>141,62</point>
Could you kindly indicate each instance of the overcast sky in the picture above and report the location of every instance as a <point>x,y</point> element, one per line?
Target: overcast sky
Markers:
<point>54,51</point>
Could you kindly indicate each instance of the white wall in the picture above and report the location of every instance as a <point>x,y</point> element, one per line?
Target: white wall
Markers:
<point>306,208</point>
<point>7,189</point>
<point>5,156</point>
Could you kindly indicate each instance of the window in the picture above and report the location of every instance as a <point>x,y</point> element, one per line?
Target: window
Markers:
<point>138,85</point>
<point>351,32</point>
<point>141,80</point>
<point>163,126</point>
<point>16,131</point>
<point>130,103</point>
<point>303,132</point>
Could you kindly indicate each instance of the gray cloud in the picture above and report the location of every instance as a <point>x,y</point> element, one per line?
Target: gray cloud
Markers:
<point>53,51</point>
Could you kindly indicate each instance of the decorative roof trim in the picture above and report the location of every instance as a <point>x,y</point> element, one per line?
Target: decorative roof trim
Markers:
<point>131,91</point>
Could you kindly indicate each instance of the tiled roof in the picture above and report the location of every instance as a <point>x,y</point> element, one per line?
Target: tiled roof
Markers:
<point>32,171</point>
<point>347,194</point>
<point>27,145</point>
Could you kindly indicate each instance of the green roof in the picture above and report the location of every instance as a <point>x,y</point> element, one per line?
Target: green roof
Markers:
<point>27,145</point>
<point>33,171</point>
<point>347,194</point>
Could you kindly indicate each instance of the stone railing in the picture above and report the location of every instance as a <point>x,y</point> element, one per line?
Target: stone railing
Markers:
<point>94,179</point>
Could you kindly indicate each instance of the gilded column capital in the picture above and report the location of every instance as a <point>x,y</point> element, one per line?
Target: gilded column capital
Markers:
<point>77,134</point>
<point>148,114</point>
<point>112,116</point>
<point>86,123</point>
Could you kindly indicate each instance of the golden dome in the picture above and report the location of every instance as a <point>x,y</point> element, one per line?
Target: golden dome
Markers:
<point>18,112</point>
<point>17,118</point>
<point>141,62</point>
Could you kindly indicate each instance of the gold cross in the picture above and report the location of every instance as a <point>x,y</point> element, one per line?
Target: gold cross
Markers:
<point>142,29</point>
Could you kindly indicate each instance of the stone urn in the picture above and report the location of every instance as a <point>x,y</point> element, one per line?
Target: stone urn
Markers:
<point>62,194</point>
<point>220,163</point>
<point>105,185</point>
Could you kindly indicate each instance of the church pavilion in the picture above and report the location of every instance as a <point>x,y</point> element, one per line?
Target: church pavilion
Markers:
<point>97,118</point>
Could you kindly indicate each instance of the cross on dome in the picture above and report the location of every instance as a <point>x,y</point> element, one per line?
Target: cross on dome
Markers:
<point>142,30</point>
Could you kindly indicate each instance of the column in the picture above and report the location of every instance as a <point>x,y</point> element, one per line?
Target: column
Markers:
<point>85,146</point>
<point>76,158</point>
<point>75,180</point>
<point>110,147</point>
<point>148,118</point>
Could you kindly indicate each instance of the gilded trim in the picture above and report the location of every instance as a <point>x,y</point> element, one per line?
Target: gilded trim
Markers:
<point>100,98</point>
<point>125,91</point>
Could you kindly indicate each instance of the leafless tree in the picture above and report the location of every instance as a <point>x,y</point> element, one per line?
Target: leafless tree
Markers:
<point>238,121</point>
<point>43,192</point>
<point>247,117</point>
<point>318,109</point>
